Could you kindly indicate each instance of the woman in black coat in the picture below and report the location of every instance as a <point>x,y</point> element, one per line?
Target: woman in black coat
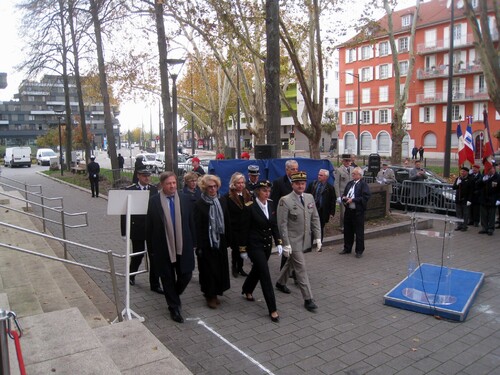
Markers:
<point>212,229</point>
<point>263,229</point>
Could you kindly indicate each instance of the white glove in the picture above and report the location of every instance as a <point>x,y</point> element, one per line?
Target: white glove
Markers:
<point>244,255</point>
<point>318,245</point>
<point>459,180</point>
<point>469,203</point>
<point>497,203</point>
<point>486,178</point>
<point>124,238</point>
<point>280,249</point>
<point>339,200</point>
<point>287,250</point>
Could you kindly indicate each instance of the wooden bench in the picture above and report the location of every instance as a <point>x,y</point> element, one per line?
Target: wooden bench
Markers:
<point>79,169</point>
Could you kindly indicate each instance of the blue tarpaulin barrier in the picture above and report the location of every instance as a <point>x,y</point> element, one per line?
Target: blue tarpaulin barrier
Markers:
<point>270,169</point>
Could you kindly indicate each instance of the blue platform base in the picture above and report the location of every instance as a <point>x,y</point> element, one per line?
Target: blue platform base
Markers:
<point>436,290</point>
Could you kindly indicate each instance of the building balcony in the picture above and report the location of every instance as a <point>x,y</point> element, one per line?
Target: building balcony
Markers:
<point>444,45</point>
<point>462,96</point>
<point>442,71</point>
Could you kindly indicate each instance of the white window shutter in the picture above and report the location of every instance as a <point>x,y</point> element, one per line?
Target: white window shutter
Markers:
<point>377,72</point>
<point>371,73</point>
<point>445,88</point>
<point>472,56</point>
<point>377,116</point>
<point>377,50</point>
<point>389,71</point>
<point>371,51</point>
<point>408,115</point>
<point>389,116</point>
<point>433,114</point>
<point>421,117</point>
<point>371,117</point>
<point>461,110</point>
<point>354,117</point>
<point>446,36</point>
<point>444,113</point>
<point>347,55</point>
<point>343,118</point>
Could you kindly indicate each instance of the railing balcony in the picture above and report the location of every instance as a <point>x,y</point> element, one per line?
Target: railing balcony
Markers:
<point>442,71</point>
<point>461,96</point>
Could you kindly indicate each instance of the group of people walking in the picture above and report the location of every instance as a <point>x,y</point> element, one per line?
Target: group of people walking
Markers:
<point>199,223</point>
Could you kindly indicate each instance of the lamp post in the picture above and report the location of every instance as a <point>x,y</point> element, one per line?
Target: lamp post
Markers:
<point>192,116</point>
<point>174,110</point>
<point>59,113</point>
<point>358,120</point>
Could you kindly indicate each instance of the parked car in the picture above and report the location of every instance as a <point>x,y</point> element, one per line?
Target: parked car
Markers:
<point>149,160</point>
<point>17,157</point>
<point>183,165</point>
<point>436,196</point>
<point>43,156</point>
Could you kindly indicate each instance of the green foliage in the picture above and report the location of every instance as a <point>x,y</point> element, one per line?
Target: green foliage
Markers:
<point>330,121</point>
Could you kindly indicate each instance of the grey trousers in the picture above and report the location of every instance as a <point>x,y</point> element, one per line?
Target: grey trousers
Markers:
<point>297,262</point>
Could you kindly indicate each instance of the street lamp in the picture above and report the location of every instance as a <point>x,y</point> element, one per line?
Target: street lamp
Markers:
<point>358,120</point>
<point>174,110</point>
<point>59,113</point>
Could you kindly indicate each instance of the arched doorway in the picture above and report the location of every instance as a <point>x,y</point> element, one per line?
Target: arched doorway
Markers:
<point>478,146</point>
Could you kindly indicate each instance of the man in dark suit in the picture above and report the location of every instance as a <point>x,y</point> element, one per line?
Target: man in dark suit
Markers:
<point>93,170</point>
<point>138,231</point>
<point>490,198</point>
<point>283,186</point>
<point>169,235</point>
<point>463,197</point>
<point>355,198</point>
<point>324,196</point>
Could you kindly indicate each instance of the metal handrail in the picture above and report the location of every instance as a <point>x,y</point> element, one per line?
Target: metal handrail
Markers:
<point>109,253</point>
<point>26,186</point>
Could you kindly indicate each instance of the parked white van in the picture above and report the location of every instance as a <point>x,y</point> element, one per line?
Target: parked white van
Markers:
<point>43,156</point>
<point>17,156</point>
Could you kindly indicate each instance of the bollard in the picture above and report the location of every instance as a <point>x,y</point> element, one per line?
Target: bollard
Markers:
<point>4,348</point>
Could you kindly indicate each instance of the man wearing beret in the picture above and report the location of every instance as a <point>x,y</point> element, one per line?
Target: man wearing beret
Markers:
<point>138,232</point>
<point>463,197</point>
<point>197,167</point>
<point>298,223</point>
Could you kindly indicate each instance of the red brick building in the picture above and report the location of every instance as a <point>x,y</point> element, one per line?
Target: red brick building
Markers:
<point>367,83</point>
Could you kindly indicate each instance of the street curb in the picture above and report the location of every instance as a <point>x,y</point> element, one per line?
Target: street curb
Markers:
<point>70,184</point>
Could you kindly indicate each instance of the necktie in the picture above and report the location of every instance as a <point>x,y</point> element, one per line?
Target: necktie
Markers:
<point>302,200</point>
<point>172,210</point>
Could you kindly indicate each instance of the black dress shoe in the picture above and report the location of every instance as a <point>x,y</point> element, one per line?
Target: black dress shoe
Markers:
<point>358,255</point>
<point>490,233</point>
<point>344,252</point>
<point>176,316</point>
<point>310,305</point>
<point>234,271</point>
<point>275,319</point>
<point>283,288</point>
<point>131,281</point>
<point>157,289</point>
<point>482,232</point>
<point>243,273</point>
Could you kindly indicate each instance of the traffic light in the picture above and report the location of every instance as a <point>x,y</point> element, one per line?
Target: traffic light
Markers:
<point>292,134</point>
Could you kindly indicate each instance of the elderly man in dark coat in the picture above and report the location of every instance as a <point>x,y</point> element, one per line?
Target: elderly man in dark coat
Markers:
<point>324,196</point>
<point>169,237</point>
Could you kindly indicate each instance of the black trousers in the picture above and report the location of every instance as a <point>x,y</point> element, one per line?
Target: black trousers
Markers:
<point>135,262</point>
<point>236,260</point>
<point>174,283</point>
<point>94,186</point>
<point>260,272</point>
<point>354,225</point>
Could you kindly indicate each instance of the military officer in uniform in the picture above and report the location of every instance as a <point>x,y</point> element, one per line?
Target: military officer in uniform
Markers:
<point>298,224</point>
<point>342,178</point>
<point>253,178</point>
<point>138,231</point>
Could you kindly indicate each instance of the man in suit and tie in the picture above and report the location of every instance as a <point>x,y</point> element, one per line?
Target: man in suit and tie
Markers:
<point>324,196</point>
<point>138,231</point>
<point>169,235</point>
<point>298,224</point>
<point>355,198</point>
<point>342,178</point>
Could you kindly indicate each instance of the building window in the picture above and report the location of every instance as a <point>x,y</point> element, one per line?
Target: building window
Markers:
<point>326,101</point>
<point>336,76</point>
<point>383,142</point>
<point>336,102</point>
<point>455,113</point>
<point>406,20</point>
<point>383,116</point>
<point>349,118</point>
<point>383,49</point>
<point>365,96</point>
<point>366,74</point>
<point>403,44</point>
<point>366,142</point>
<point>474,3</point>
<point>351,55</point>
<point>403,68</point>
<point>457,32</point>
<point>349,97</point>
<point>481,84</point>
<point>366,117</point>
<point>326,87</point>
<point>430,140</point>
<point>427,114</point>
<point>366,52</point>
<point>383,71</point>
<point>349,142</point>
<point>383,93</point>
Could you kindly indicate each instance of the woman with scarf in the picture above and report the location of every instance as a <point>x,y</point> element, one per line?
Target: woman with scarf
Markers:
<point>237,200</point>
<point>212,231</point>
<point>262,233</point>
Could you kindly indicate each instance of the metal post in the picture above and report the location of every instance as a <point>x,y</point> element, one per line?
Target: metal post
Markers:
<point>174,122</point>
<point>358,148</point>
<point>238,121</point>
<point>4,348</point>
<point>43,214</point>
<point>449,104</point>
<point>60,145</point>
<point>192,116</point>
<point>63,227</point>
<point>115,286</point>
<point>26,195</point>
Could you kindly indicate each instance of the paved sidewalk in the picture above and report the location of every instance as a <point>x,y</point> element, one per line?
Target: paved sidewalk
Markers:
<point>352,332</point>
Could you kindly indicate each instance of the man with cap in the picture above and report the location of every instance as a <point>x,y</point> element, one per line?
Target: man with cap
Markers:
<point>245,156</point>
<point>298,224</point>
<point>490,198</point>
<point>93,170</point>
<point>342,178</point>
<point>463,197</point>
<point>197,167</point>
<point>386,175</point>
<point>475,208</point>
<point>253,178</point>
<point>138,231</point>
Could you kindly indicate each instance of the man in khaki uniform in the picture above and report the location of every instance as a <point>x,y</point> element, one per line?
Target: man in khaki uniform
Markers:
<point>342,178</point>
<point>298,223</point>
